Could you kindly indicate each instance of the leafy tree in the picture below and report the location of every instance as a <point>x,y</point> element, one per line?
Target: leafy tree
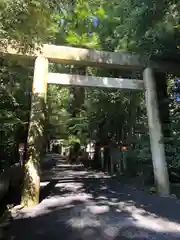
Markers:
<point>27,22</point>
<point>145,27</point>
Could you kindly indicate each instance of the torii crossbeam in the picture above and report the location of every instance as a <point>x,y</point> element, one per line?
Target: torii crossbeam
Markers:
<point>86,57</point>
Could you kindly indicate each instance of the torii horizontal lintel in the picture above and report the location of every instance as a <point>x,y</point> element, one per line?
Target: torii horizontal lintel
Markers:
<point>89,57</point>
<point>92,81</point>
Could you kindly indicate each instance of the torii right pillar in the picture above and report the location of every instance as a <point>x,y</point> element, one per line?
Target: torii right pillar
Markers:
<point>156,134</point>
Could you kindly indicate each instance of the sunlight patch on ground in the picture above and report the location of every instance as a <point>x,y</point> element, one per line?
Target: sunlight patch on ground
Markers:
<point>148,220</point>
<point>96,211</point>
<point>48,204</point>
<point>96,219</point>
<point>90,215</point>
<point>73,187</point>
<point>44,184</point>
<point>58,173</point>
<point>156,224</point>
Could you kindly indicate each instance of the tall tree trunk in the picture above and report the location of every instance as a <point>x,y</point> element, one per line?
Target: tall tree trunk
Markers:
<point>131,161</point>
<point>77,94</point>
<point>163,102</point>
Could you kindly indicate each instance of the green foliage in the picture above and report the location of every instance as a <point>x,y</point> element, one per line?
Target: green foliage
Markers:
<point>15,88</point>
<point>27,22</point>
<point>146,27</point>
<point>57,111</point>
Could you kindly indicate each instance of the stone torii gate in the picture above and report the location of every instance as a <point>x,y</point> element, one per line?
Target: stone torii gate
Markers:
<point>85,57</point>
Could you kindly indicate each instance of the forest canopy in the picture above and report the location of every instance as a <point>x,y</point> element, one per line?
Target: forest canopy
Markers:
<point>147,27</point>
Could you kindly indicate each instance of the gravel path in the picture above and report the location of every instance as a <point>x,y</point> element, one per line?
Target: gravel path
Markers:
<point>77,205</point>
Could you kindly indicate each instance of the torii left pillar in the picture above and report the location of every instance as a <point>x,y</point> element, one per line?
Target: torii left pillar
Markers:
<point>31,188</point>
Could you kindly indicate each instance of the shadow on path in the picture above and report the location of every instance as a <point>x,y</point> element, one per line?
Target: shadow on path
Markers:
<point>47,190</point>
<point>90,205</point>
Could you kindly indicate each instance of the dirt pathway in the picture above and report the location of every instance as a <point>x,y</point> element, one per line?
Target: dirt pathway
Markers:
<point>78,205</point>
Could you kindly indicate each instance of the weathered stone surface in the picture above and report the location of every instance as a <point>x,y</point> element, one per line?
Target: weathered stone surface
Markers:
<point>92,81</point>
<point>72,55</point>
